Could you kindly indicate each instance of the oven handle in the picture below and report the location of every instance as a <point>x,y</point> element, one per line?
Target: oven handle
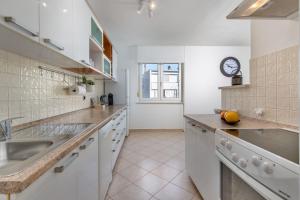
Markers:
<point>257,186</point>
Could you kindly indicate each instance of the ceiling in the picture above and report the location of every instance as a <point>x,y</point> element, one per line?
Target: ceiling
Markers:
<point>175,22</point>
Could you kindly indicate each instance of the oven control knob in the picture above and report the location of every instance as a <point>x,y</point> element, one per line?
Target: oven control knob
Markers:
<point>229,145</point>
<point>243,163</point>
<point>255,161</point>
<point>268,168</point>
<point>223,142</point>
<point>235,157</point>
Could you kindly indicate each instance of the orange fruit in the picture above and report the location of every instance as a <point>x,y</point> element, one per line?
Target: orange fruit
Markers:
<point>223,114</point>
<point>232,117</point>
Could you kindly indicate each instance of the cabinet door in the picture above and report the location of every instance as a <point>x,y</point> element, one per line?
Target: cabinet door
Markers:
<point>115,64</point>
<point>188,146</point>
<point>59,186</point>
<point>105,160</point>
<point>87,174</point>
<point>82,31</point>
<point>24,15</point>
<point>56,25</point>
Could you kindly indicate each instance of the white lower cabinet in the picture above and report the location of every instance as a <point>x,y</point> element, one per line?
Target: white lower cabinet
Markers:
<point>75,177</point>
<point>87,178</point>
<point>105,159</point>
<point>59,186</point>
<point>201,161</point>
<point>86,172</point>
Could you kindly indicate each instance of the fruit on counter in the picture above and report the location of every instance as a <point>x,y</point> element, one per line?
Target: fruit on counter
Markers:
<point>222,114</point>
<point>232,117</point>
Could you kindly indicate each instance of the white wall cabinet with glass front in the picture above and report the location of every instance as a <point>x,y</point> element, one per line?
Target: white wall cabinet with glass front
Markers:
<point>21,16</point>
<point>56,25</point>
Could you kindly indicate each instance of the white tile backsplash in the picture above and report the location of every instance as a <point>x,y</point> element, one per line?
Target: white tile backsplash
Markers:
<point>35,94</point>
<point>273,87</point>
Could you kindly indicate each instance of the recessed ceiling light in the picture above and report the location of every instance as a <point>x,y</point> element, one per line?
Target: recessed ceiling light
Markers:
<point>65,10</point>
<point>152,5</point>
<point>44,4</point>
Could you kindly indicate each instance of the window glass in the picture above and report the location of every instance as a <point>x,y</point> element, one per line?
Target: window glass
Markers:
<point>171,81</point>
<point>150,81</point>
<point>160,82</point>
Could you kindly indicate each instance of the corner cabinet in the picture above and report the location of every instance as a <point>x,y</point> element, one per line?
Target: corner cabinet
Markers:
<point>202,164</point>
<point>21,16</point>
<point>56,25</point>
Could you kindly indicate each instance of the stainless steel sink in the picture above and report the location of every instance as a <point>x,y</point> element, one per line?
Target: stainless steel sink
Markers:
<point>30,144</point>
<point>21,150</point>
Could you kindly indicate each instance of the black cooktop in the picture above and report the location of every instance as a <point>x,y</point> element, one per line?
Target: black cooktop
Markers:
<point>281,142</point>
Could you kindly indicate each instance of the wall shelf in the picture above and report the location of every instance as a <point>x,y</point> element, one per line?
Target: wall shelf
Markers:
<point>234,86</point>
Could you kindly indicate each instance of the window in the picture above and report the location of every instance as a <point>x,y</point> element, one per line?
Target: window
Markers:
<point>160,82</point>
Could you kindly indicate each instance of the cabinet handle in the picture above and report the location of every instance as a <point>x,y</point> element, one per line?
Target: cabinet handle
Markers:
<point>50,42</point>
<point>204,130</point>
<point>13,21</point>
<point>84,62</point>
<point>118,123</point>
<point>114,140</point>
<point>113,150</point>
<point>68,162</point>
<point>118,141</point>
<point>88,143</point>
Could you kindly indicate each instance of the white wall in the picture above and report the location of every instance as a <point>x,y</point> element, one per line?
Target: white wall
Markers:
<point>202,79</point>
<point>268,36</point>
<point>155,116</point>
<point>203,76</point>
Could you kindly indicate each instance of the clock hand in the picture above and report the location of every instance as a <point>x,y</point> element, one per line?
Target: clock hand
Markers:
<point>229,66</point>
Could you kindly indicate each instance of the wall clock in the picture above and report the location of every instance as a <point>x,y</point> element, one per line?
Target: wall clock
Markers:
<point>230,66</point>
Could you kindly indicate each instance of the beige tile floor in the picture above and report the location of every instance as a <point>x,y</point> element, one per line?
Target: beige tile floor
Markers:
<point>151,165</point>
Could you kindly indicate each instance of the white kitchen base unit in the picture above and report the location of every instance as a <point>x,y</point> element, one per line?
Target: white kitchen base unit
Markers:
<point>86,172</point>
<point>202,164</point>
<point>72,178</point>
<point>105,159</point>
<point>118,135</point>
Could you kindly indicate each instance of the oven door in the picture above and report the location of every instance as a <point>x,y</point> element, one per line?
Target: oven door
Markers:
<point>237,185</point>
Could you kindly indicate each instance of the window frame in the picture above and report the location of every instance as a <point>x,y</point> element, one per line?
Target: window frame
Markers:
<point>160,98</point>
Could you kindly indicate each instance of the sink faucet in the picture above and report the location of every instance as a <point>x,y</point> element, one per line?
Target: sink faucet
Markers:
<point>6,127</point>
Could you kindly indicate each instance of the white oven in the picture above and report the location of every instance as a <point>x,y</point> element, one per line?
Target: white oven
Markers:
<point>250,172</point>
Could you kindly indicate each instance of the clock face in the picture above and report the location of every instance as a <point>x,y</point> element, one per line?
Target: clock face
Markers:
<point>230,66</point>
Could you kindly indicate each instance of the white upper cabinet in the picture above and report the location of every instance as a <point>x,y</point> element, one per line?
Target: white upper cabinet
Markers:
<point>115,64</point>
<point>56,25</point>
<point>82,31</point>
<point>22,16</point>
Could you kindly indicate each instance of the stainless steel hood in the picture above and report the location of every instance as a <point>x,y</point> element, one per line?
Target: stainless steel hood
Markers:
<point>255,9</point>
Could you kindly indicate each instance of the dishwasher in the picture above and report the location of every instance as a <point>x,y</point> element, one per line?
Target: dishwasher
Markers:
<point>105,159</point>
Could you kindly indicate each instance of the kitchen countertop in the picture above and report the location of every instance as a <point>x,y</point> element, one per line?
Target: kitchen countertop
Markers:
<point>213,122</point>
<point>97,116</point>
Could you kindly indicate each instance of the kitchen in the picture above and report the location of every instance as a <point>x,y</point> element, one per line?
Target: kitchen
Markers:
<point>149,99</point>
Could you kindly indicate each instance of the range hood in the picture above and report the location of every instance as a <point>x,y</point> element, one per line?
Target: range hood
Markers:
<point>255,9</point>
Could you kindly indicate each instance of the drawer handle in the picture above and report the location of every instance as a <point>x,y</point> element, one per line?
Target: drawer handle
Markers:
<point>88,143</point>
<point>68,162</point>
<point>13,21</point>
<point>118,123</point>
<point>118,141</point>
<point>50,42</point>
<point>114,140</point>
<point>113,150</point>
